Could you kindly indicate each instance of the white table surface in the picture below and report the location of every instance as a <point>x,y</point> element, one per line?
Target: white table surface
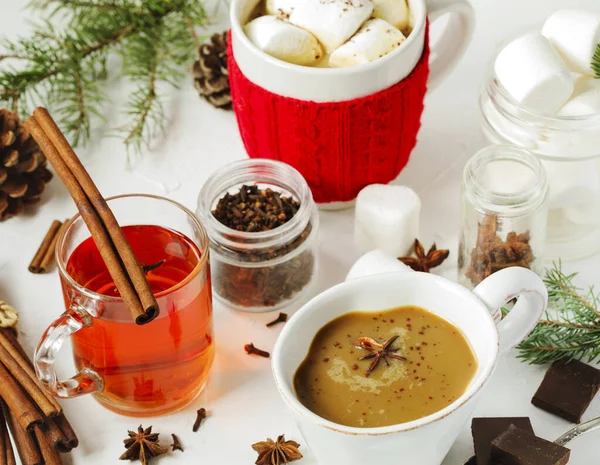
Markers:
<point>241,397</point>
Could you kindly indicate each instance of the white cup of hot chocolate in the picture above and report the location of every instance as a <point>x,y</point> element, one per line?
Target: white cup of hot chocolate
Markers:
<point>477,314</point>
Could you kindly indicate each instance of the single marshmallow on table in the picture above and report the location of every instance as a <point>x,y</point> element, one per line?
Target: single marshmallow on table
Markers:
<point>575,34</point>
<point>281,8</point>
<point>534,74</point>
<point>394,12</point>
<point>333,22</point>
<point>373,40</point>
<point>585,100</point>
<point>386,218</point>
<point>283,40</point>
<point>376,262</point>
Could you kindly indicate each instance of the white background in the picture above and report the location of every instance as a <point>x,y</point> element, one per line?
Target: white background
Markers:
<point>241,397</point>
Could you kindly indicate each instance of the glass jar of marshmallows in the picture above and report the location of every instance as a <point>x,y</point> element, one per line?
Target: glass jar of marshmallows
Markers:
<point>569,149</point>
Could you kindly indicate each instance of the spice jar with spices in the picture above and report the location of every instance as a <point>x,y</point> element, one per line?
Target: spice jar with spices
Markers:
<point>504,213</point>
<point>262,223</point>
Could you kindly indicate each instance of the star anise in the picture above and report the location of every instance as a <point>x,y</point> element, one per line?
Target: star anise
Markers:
<point>424,262</point>
<point>276,453</point>
<point>377,351</point>
<point>142,445</point>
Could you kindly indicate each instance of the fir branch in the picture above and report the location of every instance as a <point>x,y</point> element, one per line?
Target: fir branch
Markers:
<point>574,330</point>
<point>596,62</point>
<point>62,70</point>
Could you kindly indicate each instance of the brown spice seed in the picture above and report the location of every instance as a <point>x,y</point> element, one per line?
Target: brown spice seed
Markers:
<point>200,416</point>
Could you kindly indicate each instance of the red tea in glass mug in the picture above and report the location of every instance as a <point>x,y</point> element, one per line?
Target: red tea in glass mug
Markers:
<point>135,370</point>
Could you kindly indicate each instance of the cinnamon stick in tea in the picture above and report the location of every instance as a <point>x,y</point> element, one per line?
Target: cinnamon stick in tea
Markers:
<point>25,441</point>
<point>116,252</point>
<point>49,239</point>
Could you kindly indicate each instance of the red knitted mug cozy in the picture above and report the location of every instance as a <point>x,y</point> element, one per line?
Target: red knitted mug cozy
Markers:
<point>339,147</point>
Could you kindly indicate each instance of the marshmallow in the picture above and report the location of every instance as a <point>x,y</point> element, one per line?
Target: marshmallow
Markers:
<point>283,40</point>
<point>395,12</point>
<point>376,262</point>
<point>534,74</point>
<point>386,218</point>
<point>585,100</point>
<point>373,40</point>
<point>333,22</point>
<point>571,183</point>
<point>575,35</point>
<point>280,8</point>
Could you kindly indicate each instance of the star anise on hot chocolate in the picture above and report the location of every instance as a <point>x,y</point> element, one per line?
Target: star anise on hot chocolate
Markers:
<point>377,351</point>
<point>142,445</point>
<point>276,452</point>
<point>424,262</point>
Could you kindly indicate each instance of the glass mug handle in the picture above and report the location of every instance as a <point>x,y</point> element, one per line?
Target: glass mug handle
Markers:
<point>503,286</point>
<point>87,380</point>
<point>454,39</point>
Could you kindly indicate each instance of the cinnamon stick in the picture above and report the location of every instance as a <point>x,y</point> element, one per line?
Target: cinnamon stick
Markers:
<point>7,456</point>
<point>25,441</point>
<point>26,413</point>
<point>17,362</point>
<point>49,255</point>
<point>36,263</point>
<point>71,441</point>
<point>68,440</point>
<point>116,252</point>
<point>49,453</point>
<point>29,383</point>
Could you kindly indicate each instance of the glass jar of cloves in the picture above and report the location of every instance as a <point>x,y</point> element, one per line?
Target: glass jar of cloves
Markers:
<point>504,213</point>
<point>262,223</point>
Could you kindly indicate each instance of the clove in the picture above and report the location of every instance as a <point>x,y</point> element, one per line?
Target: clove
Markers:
<point>201,415</point>
<point>148,268</point>
<point>282,318</point>
<point>250,350</point>
<point>176,443</point>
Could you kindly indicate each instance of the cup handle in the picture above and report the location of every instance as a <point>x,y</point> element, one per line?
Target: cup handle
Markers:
<point>503,286</point>
<point>87,380</point>
<point>453,41</point>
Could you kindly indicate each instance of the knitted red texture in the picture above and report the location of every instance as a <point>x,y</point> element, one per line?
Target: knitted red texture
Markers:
<point>339,147</point>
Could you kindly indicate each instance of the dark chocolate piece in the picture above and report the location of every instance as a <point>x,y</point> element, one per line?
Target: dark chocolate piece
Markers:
<point>519,447</point>
<point>485,430</point>
<point>568,389</point>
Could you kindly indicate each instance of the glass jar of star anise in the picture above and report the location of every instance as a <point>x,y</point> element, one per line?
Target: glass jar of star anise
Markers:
<point>504,213</point>
<point>262,223</point>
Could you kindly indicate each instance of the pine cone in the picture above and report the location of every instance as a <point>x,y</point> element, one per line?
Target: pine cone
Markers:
<point>23,172</point>
<point>210,72</point>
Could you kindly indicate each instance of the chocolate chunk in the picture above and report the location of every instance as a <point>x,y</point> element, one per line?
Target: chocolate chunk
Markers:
<point>519,447</point>
<point>485,430</point>
<point>568,389</point>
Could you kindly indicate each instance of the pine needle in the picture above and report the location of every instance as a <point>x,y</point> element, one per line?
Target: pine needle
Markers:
<point>572,330</point>
<point>596,62</point>
<point>64,70</point>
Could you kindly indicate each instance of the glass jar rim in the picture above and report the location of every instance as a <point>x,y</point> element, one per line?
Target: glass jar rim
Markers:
<point>225,178</point>
<point>62,265</point>
<point>532,196</point>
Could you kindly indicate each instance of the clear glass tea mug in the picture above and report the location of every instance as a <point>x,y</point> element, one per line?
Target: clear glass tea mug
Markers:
<point>135,370</point>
